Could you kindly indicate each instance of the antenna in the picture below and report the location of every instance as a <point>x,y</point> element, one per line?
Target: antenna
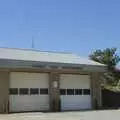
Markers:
<point>33,43</point>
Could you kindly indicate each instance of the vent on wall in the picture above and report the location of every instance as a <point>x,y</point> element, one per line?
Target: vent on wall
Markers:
<point>45,66</point>
<point>56,67</point>
<point>67,67</point>
<point>39,66</point>
<point>53,66</point>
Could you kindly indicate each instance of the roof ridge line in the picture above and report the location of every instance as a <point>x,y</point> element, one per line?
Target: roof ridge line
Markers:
<point>37,50</point>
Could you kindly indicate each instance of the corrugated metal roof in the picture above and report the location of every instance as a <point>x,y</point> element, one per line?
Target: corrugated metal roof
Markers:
<point>36,55</point>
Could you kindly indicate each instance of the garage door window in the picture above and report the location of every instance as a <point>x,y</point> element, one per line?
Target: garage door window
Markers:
<point>34,91</point>
<point>86,91</point>
<point>23,91</point>
<point>43,91</point>
<point>70,91</point>
<point>13,91</point>
<point>62,91</point>
<point>78,91</point>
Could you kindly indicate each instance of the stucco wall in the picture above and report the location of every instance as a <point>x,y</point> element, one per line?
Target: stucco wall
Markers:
<point>54,91</point>
<point>4,87</point>
<point>96,90</point>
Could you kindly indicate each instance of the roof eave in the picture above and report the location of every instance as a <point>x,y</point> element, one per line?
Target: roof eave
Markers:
<point>5,63</point>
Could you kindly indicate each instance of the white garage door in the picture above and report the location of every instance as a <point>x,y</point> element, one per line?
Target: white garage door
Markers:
<point>28,92</point>
<point>75,92</point>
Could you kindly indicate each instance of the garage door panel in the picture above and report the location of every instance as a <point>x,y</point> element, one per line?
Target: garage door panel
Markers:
<point>75,100</point>
<point>21,103</point>
<point>23,96</point>
<point>75,103</point>
<point>18,78</point>
<point>75,81</point>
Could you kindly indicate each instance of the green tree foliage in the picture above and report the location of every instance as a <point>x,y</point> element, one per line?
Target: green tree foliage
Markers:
<point>110,58</point>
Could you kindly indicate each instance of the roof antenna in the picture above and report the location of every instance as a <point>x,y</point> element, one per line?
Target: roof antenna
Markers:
<point>33,43</point>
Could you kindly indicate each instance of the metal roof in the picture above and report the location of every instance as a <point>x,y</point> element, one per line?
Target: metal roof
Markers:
<point>41,56</point>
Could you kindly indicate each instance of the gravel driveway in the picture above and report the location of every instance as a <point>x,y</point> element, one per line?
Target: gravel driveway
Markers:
<point>88,115</point>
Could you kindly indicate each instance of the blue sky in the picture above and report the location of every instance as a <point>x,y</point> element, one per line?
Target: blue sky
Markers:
<point>78,26</point>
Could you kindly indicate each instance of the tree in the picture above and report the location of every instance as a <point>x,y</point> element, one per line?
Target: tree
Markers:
<point>110,58</point>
